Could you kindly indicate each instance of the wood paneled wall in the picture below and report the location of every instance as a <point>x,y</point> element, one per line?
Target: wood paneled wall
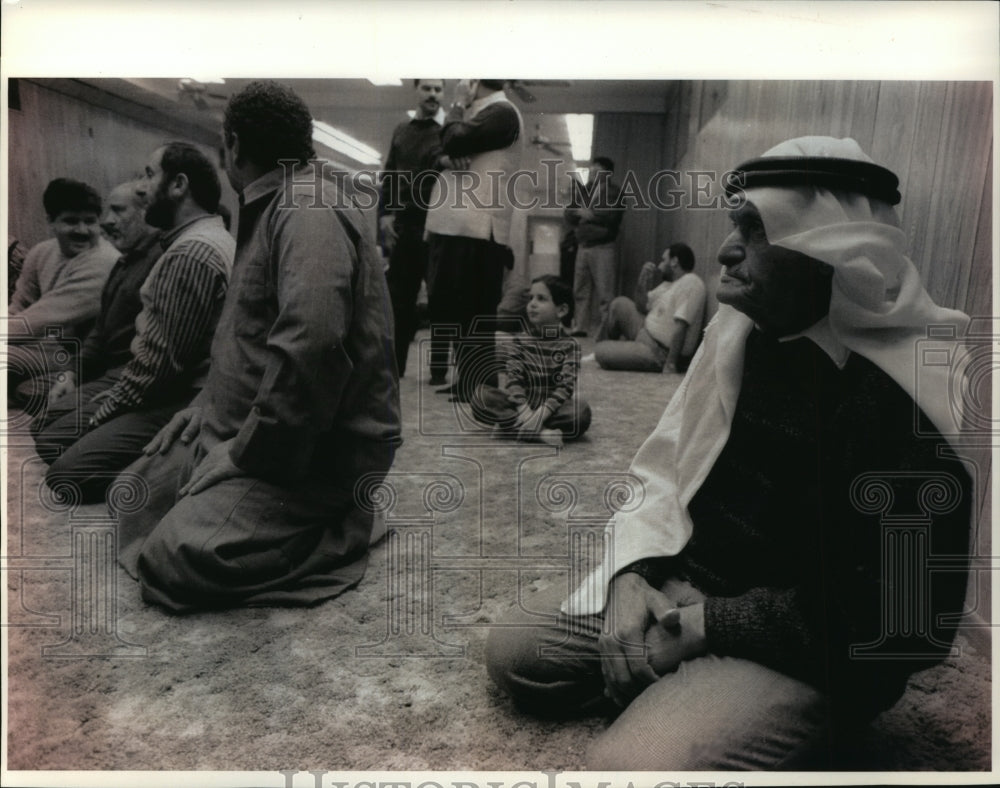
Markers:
<point>635,143</point>
<point>57,135</point>
<point>936,136</point>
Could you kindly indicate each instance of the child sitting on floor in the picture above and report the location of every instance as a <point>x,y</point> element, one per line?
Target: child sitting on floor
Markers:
<point>536,401</point>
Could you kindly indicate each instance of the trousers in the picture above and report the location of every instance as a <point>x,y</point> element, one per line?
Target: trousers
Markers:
<point>594,272</point>
<point>713,714</point>
<point>91,458</point>
<point>465,282</point>
<point>624,343</point>
<point>407,269</point>
<point>32,370</point>
<point>244,540</point>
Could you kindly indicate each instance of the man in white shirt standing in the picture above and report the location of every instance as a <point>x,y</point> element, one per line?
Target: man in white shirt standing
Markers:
<point>667,337</point>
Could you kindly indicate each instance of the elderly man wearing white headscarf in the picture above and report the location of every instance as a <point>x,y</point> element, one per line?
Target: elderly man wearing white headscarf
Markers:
<point>771,592</point>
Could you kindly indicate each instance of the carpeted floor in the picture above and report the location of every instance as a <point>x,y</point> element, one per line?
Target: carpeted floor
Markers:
<point>389,676</point>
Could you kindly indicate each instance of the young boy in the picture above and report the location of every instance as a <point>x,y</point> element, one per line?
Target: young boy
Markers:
<point>537,402</point>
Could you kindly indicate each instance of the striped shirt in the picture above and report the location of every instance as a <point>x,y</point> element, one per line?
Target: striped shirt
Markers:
<point>181,302</point>
<point>541,369</point>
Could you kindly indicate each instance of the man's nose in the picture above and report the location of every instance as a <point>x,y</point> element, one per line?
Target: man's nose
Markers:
<point>732,251</point>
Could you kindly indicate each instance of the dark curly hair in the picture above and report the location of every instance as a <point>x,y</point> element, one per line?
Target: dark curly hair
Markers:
<point>202,177</point>
<point>683,254</point>
<point>65,194</point>
<point>272,123</point>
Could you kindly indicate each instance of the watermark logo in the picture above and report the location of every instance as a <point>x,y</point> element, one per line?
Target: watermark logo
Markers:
<point>91,565</point>
<point>583,501</point>
<point>907,504</point>
<point>481,361</point>
<point>551,187</point>
<point>324,778</point>
<point>33,367</point>
<point>969,363</point>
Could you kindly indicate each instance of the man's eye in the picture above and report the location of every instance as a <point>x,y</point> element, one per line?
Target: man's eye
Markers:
<point>751,229</point>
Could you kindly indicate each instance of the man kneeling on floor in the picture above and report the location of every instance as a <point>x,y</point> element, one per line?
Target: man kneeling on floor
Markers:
<point>252,487</point>
<point>747,613</point>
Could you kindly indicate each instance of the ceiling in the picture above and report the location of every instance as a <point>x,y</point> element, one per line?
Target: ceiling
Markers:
<point>369,112</point>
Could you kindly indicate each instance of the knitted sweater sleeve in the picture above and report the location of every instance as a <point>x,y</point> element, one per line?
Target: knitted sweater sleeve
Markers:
<point>75,298</point>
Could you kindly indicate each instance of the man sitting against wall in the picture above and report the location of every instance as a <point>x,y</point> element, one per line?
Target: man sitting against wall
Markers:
<point>138,374</point>
<point>666,338</point>
<point>58,291</point>
<point>758,604</point>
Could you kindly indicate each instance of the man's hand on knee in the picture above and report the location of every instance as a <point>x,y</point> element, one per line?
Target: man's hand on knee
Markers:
<point>185,424</point>
<point>633,607</point>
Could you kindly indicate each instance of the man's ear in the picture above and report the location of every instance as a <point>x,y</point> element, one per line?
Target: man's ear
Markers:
<point>180,185</point>
<point>233,143</point>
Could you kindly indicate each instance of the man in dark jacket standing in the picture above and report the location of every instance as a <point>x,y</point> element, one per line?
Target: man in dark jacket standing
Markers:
<point>403,201</point>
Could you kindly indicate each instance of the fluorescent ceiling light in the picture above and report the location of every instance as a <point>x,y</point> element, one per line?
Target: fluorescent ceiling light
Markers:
<point>380,81</point>
<point>205,80</point>
<point>337,140</point>
<point>581,135</point>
